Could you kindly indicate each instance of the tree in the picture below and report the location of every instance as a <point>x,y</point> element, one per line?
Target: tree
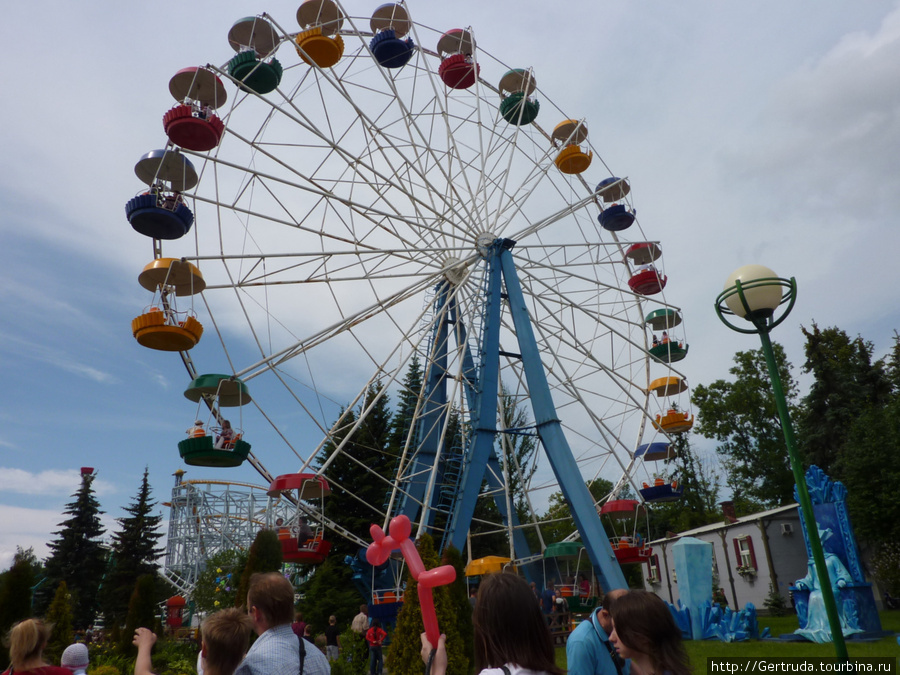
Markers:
<point>869,466</point>
<point>517,445</point>
<point>846,383</point>
<point>60,615</point>
<point>560,522</point>
<point>462,607</point>
<point>356,495</point>
<point>77,555</point>
<point>330,591</point>
<point>265,556</point>
<point>217,584</point>
<point>141,611</point>
<point>16,584</point>
<point>742,416</point>
<point>407,400</point>
<point>134,552</point>
<point>403,658</point>
<point>699,504</point>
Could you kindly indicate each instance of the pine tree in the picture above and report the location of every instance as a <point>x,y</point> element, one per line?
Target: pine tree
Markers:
<point>134,552</point>
<point>265,556</point>
<point>403,658</point>
<point>407,400</point>
<point>330,591</point>
<point>462,608</point>
<point>357,496</point>
<point>60,615</point>
<point>141,611</point>
<point>77,555</point>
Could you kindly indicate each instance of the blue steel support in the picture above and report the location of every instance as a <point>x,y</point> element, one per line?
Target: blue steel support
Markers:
<point>549,429</point>
<point>431,422</point>
<point>484,413</point>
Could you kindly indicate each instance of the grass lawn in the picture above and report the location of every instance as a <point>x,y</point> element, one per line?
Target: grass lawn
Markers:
<point>700,651</point>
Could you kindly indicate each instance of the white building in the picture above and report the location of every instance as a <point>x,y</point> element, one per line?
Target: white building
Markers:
<point>749,553</point>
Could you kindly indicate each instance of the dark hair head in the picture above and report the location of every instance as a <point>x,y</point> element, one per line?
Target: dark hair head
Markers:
<point>26,640</point>
<point>510,628</point>
<point>643,623</point>
<point>272,595</point>
<point>376,623</point>
<point>226,635</point>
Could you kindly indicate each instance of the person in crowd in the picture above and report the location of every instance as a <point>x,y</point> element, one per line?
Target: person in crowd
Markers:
<point>270,604</point>
<point>375,638</point>
<point>588,650</point>
<point>511,633</point>
<point>299,625</point>
<point>548,601</point>
<point>360,622</point>
<point>645,632</point>
<point>76,658</point>
<point>308,636</point>
<point>26,641</point>
<point>332,639</point>
<point>224,637</point>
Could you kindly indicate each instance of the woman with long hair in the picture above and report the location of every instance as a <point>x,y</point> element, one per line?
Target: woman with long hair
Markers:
<point>645,632</point>
<point>26,641</point>
<point>511,634</point>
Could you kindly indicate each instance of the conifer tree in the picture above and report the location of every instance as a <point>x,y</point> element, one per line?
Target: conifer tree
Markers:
<point>141,611</point>
<point>265,556</point>
<point>357,496</point>
<point>462,608</point>
<point>60,615</point>
<point>135,552</point>
<point>407,400</point>
<point>403,657</point>
<point>77,555</point>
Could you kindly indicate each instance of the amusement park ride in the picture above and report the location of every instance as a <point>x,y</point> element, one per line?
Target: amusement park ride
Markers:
<point>365,203</point>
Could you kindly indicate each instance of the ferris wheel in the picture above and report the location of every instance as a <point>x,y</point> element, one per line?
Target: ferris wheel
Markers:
<point>355,196</point>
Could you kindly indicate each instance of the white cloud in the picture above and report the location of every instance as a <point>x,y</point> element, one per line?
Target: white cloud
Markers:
<point>51,483</point>
<point>28,528</point>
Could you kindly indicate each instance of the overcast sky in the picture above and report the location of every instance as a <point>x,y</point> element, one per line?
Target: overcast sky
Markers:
<point>764,132</point>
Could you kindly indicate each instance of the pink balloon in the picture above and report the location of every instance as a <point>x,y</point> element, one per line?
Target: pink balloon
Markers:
<point>379,551</point>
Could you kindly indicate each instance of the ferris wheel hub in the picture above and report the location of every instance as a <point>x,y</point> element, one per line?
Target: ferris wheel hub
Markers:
<point>483,242</point>
<point>454,270</point>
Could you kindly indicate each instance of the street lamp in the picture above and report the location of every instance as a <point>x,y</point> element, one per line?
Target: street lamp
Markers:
<point>754,293</point>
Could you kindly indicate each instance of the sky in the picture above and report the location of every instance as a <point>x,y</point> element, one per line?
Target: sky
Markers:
<point>762,132</point>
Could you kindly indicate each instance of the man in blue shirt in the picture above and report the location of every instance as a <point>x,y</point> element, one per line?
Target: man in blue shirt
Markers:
<point>588,650</point>
<point>270,604</point>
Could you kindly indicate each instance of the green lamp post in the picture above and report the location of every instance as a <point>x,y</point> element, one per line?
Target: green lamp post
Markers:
<point>754,293</point>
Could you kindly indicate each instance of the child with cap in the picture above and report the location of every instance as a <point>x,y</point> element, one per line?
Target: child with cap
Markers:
<point>76,658</point>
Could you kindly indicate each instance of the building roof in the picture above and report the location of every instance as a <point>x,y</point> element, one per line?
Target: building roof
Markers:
<point>715,527</point>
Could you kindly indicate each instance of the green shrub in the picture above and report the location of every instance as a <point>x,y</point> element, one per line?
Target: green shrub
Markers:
<point>886,567</point>
<point>354,657</point>
<point>775,602</point>
<point>104,670</point>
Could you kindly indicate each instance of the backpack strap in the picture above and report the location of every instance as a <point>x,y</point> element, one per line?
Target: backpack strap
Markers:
<point>302,654</point>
